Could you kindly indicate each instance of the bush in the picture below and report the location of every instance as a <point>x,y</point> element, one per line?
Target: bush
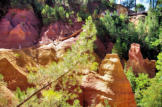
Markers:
<point>159,62</point>
<point>139,8</point>
<point>152,96</point>
<point>139,84</point>
<point>50,14</point>
<point>149,31</point>
<point>119,30</point>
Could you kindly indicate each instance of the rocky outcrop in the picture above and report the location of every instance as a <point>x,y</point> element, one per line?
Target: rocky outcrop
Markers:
<point>16,63</point>
<point>111,85</point>
<point>138,63</point>
<point>30,57</point>
<point>18,29</point>
<point>7,98</point>
<point>59,30</point>
<point>12,75</point>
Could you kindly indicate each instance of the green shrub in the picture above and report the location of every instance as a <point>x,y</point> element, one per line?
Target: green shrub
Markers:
<point>149,31</point>
<point>142,83</point>
<point>159,62</point>
<point>152,96</point>
<point>139,84</point>
<point>139,8</point>
<point>50,14</point>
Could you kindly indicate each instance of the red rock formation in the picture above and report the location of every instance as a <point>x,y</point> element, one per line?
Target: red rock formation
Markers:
<point>17,16</point>
<point>138,64</point>
<point>5,28</point>
<point>19,28</point>
<point>100,48</point>
<point>103,47</point>
<point>112,85</point>
<point>59,30</point>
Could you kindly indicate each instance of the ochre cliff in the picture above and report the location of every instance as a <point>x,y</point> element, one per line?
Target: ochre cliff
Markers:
<point>15,64</point>
<point>12,75</point>
<point>111,85</point>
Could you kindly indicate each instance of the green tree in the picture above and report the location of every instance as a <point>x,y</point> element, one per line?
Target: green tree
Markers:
<point>140,8</point>
<point>129,3</point>
<point>159,62</point>
<point>51,14</point>
<point>139,84</point>
<point>152,96</point>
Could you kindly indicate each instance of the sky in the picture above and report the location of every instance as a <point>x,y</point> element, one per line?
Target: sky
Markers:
<point>144,2</point>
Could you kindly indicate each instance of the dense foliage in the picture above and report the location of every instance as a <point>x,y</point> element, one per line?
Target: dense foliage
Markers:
<point>140,8</point>
<point>119,30</point>
<point>124,33</point>
<point>50,14</point>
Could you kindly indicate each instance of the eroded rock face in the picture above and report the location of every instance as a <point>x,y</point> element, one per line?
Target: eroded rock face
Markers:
<point>12,75</point>
<point>111,85</point>
<point>16,63</point>
<point>59,30</point>
<point>138,63</point>
<point>18,29</point>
